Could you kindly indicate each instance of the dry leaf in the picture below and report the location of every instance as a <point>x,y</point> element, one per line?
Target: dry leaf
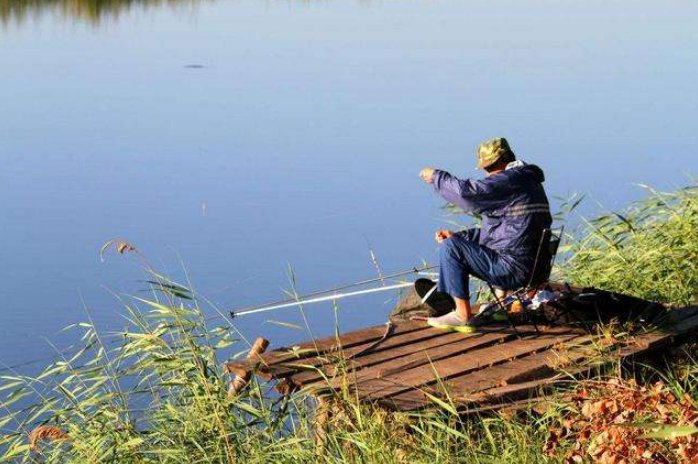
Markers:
<point>46,432</point>
<point>121,247</point>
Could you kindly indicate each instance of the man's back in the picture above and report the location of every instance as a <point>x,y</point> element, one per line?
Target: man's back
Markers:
<point>515,227</point>
<point>512,202</point>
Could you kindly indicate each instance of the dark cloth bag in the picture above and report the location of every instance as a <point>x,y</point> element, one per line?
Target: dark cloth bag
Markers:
<point>410,304</point>
<point>591,305</point>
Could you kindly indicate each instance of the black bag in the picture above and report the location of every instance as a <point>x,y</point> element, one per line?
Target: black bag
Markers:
<point>410,305</point>
<point>591,305</point>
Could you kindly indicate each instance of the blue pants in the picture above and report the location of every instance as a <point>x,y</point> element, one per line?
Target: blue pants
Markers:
<point>461,258</point>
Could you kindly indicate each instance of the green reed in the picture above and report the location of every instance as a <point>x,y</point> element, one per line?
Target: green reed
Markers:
<point>650,250</point>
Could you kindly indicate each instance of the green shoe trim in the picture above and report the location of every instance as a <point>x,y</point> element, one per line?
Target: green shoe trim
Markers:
<point>466,328</point>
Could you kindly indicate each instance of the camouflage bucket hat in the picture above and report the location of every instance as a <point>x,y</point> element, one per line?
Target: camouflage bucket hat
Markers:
<point>491,151</point>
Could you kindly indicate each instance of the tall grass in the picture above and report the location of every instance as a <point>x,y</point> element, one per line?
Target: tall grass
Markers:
<point>650,250</point>
<point>156,392</point>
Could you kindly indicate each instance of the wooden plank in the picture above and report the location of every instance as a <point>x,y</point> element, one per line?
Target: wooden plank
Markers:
<point>450,366</point>
<point>312,348</point>
<point>646,343</point>
<point>532,367</point>
<point>501,396</point>
<point>397,350</point>
<point>536,366</point>
<point>357,355</point>
<point>457,365</point>
<point>409,356</point>
<point>482,358</point>
<point>406,357</point>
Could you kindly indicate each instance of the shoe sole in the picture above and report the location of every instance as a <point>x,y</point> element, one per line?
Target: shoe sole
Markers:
<point>455,328</point>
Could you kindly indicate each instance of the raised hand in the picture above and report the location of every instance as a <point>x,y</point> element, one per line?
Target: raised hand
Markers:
<point>442,235</point>
<point>427,175</point>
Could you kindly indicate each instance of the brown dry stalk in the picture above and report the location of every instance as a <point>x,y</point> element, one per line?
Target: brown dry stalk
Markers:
<point>46,432</point>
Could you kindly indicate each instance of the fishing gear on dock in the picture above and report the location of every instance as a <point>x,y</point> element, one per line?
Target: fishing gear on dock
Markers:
<point>335,293</point>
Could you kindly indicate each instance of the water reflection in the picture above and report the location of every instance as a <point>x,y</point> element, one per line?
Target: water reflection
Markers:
<point>84,10</point>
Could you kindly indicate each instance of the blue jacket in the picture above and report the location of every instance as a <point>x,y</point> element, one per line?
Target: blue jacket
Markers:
<point>513,206</point>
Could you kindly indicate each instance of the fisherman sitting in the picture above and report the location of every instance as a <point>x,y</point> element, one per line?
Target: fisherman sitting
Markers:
<point>515,211</point>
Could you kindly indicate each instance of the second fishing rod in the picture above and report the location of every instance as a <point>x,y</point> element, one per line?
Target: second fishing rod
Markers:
<point>335,293</point>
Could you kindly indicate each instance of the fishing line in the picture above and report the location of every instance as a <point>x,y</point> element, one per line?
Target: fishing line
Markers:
<point>53,357</point>
<point>71,350</point>
<point>36,360</point>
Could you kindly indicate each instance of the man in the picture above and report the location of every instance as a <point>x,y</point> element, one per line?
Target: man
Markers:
<point>514,210</point>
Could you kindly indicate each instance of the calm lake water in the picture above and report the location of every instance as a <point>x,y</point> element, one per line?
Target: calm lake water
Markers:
<point>237,137</point>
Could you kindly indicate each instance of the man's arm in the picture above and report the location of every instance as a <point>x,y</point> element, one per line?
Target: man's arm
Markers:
<point>472,235</point>
<point>471,195</point>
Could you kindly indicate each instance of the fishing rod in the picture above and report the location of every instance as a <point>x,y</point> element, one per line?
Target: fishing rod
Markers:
<point>334,293</point>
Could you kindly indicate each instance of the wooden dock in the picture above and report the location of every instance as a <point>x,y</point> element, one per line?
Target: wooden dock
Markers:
<point>416,366</point>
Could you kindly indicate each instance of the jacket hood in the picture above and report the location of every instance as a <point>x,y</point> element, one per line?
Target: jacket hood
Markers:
<point>519,167</point>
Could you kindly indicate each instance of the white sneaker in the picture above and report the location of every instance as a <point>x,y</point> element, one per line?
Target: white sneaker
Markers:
<point>452,321</point>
